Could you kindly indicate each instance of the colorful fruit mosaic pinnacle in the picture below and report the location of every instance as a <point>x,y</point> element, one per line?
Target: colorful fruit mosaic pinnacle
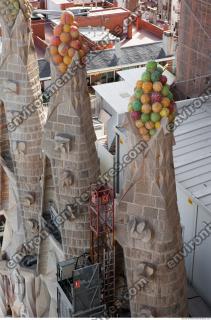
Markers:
<point>152,100</point>
<point>66,42</point>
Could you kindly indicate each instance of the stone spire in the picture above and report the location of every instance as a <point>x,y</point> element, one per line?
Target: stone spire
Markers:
<point>147,216</point>
<point>21,96</point>
<point>69,144</point>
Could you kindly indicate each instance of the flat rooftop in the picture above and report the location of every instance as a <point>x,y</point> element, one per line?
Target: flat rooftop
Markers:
<point>97,34</point>
<point>192,153</point>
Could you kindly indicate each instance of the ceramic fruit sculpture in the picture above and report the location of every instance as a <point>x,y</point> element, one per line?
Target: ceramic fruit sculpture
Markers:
<point>9,10</point>
<point>152,100</point>
<point>65,42</point>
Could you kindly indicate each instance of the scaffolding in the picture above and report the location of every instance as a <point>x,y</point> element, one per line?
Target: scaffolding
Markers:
<point>102,238</point>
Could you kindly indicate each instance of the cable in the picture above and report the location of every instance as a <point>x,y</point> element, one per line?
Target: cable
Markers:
<point>196,78</point>
<point>198,52</point>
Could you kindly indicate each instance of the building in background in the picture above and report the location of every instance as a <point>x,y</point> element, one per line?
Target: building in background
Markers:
<point>193,53</point>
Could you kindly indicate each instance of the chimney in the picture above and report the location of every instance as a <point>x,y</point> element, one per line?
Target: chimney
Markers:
<point>118,48</point>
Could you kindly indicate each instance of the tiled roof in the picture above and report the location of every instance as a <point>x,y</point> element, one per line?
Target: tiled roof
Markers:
<point>107,58</point>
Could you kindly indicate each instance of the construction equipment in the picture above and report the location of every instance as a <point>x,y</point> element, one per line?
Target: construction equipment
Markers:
<point>102,238</point>
<point>79,289</point>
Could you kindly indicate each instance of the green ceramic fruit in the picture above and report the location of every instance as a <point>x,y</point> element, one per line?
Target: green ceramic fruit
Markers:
<point>165,90</point>
<point>138,93</point>
<point>145,117</point>
<point>146,76</point>
<point>151,66</point>
<point>155,76</point>
<point>160,70</point>
<point>137,105</point>
<point>170,96</point>
<point>155,117</point>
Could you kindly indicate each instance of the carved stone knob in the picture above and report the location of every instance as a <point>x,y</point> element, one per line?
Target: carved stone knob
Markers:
<point>28,200</point>
<point>67,178</point>
<point>145,313</point>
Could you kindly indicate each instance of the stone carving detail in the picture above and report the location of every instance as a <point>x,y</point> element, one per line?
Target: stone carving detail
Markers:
<point>28,200</point>
<point>10,87</point>
<point>145,270</point>
<point>20,149</point>
<point>146,313</point>
<point>67,179</point>
<point>34,225</point>
<point>62,144</point>
<point>139,230</point>
<point>71,211</point>
<point>18,307</point>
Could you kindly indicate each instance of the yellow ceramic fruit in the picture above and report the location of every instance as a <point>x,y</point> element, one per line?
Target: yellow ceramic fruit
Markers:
<point>149,125</point>
<point>165,102</point>
<point>66,28</point>
<point>67,60</point>
<point>147,87</point>
<point>157,125</point>
<point>139,124</point>
<point>164,112</point>
<point>143,131</point>
<point>145,98</point>
<point>156,107</point>
<point>146,108</point>
<point>139,84</point>
<point>157,86</point>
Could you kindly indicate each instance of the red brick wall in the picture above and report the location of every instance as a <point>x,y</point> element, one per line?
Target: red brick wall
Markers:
<point>158,32</point>
<point>110,21</point>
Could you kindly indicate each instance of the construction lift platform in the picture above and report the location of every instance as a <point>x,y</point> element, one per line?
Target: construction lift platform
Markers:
<point>86,284</point>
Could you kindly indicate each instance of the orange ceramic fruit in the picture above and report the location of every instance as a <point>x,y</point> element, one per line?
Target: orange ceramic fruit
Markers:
<point>67,17</point>
<point>67,60</point>
<point>139,124</point>
<point>143,131</point>
<point>55,41</point>
<point>139,84</point>
<point>63,49</point>
<point>145,98</point>
<point>58,30</point>
<point>71,52</point>
<point>74,32</point>
<point>146,108</point>
<point>156,107</point>
<point>65,37</point>
<point>66,28</point>
<point>149,125</point>
<point>147,87</point>
<point>62,67</point>
<point>53,50</point>
<point>157,86</point>
<point>57,59</point>
<point>165,102</point>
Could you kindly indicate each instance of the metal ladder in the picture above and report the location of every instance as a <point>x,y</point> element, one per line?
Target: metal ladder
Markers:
<point>109,276</point>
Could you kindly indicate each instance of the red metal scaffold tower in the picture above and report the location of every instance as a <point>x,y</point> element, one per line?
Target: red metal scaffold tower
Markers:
<point>102,237</point>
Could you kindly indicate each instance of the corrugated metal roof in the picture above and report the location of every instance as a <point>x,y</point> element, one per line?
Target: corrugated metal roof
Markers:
<point>192,153</point>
